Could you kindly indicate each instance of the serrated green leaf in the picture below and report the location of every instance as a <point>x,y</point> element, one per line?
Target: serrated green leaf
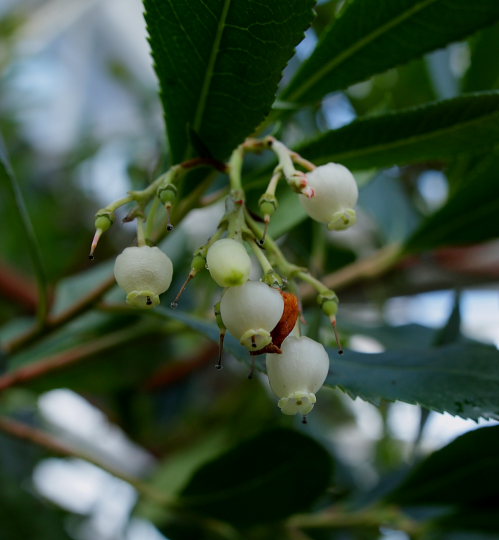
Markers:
<point>462,379</point>
<point>263,479</point>
<point>219,63</point>
<point>434,131</point>
<point>464,473</point>
<point>371,36</point>
<point>470,214</point>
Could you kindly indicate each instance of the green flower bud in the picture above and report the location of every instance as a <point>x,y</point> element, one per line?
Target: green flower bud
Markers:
<point>167,193</point>
<point>328,301</point>
<point>198,262</point>
<point>103,220</point>
<point>268,204</point>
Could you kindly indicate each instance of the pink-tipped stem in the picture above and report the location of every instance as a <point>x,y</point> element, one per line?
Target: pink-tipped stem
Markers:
<point>174,304</point>
<point>95,241</point>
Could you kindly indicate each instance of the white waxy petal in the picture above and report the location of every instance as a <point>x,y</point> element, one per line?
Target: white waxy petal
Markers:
<point>144,273</point>
<point>336,195</point>
<point>250,312</point>
<point>297,373</point>
<point>228,262</point>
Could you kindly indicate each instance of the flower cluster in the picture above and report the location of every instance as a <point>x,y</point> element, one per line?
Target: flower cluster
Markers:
<point>260,314</point>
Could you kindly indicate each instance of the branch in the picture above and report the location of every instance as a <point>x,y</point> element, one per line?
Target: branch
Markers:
<point>18,288</point>
<point>378,516</point>
<point>72,356</point>
<point>53,323</point>
<point>40,438</point>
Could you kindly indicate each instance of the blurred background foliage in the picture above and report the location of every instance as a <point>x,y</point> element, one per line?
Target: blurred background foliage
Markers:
<point>135,435</point>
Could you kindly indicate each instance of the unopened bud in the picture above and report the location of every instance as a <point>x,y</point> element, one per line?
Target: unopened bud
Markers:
<point>103,220</point>
<point>268,204</point>
<point>167,193</point>
<point>328,301</point>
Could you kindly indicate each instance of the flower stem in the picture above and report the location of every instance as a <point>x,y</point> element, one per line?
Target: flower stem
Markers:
<point>141,237</point>
<point>262,259</point>
<point>235,168</point>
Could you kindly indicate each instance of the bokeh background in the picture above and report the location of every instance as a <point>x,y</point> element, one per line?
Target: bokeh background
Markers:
<point>82,123</point>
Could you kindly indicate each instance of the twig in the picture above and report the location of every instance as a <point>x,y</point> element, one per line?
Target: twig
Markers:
<point>18,288</point>
<point>40,438</point>
<point>368,268</point>
<point>54,323</point>
<point>389,516</point>
<point>71,356</point>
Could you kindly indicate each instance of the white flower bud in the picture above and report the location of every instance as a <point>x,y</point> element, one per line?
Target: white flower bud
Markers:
<point>228,262</point>
<point>336,195</point>
<point>297,373</point>
<point>250,312</point>
<point>144,272</point>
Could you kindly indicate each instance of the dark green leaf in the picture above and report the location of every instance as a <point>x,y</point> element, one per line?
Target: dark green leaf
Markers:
<point>433,131</point>
<point>219,63</point>
<point>482,73</point>
<point>374,35</point>
<point>469,519</point>
<point>465,472</point>
<point>263,479</point>
<point>460,379</point>
<point>470,214</point>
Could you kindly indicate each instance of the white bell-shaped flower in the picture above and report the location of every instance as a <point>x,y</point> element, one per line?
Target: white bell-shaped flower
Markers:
<point>250,312</point>
<point>228,262</point>
<point>144,272</point>
<point>297,374</point>
<point>336,195</point>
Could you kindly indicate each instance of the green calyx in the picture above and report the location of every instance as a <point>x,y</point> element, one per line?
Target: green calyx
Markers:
<point>143,299</point>
<point>328,301</point>
<point>167,193</point>
<point>342,220</point>
<point>268,204</point>
<point>198,262</point>
<point>273,279</point>
<point>103,220</point>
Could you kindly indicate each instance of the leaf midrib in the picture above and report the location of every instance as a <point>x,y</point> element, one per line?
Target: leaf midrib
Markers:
<point>410,140</point>
<point>203,96</point>
<point>339,59</point>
